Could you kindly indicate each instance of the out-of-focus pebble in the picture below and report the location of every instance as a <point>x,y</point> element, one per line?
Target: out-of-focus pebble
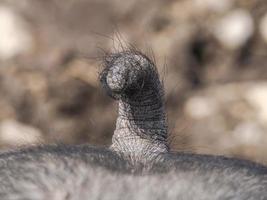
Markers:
<point>13,133</point>
<point>248,133</point>
<point>15,38</point>
<point>234,29</point>
<point>200,107</point>
<point>256,95</point>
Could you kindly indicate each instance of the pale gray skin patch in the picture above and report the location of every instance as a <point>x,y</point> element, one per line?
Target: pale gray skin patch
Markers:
<point>138,165</point>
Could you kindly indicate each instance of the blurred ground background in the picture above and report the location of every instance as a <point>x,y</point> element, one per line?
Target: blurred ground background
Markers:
<point>211,54</point>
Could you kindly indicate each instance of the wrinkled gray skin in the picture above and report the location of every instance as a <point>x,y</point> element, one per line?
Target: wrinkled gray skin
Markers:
<point>138,165</point>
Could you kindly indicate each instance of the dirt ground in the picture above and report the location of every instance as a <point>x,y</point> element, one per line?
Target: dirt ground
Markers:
<point>211,55</point>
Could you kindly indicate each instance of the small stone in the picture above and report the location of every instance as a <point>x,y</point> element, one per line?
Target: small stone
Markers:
<point>234,29</point>
<point>15,38</point>
<point>13,133</point>
<point>200,107</point>
<point>256,95</point>
<point>248,133</point>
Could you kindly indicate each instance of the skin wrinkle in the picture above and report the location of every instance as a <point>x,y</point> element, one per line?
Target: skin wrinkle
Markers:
<point>141,128</point>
